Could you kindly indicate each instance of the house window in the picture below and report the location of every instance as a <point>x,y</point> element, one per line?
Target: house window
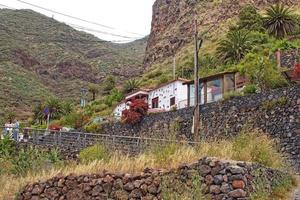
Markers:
<point>172,101</point>
<point>155,102</point>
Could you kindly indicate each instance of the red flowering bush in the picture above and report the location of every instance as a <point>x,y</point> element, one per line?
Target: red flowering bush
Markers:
<point>296,72</point>
<point>137,110</point>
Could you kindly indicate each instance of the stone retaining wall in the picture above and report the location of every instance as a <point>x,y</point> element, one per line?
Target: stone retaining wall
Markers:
<point>276,112</point>
<point>209,178</point>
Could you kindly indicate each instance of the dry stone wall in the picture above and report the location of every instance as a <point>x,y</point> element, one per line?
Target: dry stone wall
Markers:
<point>209,177</point>
<point>276,112</point>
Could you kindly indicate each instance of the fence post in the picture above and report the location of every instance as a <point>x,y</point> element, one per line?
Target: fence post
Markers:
<point>60,135</point>
<point>84,141</point>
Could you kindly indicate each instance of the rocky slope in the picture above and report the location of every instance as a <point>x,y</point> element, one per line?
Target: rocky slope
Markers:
<point>172,24</point>
<point>40,56</point>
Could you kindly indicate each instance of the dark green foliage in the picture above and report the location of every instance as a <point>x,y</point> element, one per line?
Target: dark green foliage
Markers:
<point>250,89</point>
<point>131,85</point>
<point>280,21</point>
<point>234,47</point>
<point>250,19</point>
<point>114,97</point>
<point>261,72</point>
<point>109,84</point>
<point>94,90</point>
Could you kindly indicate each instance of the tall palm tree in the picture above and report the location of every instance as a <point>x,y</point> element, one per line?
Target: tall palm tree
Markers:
<point>280,21</point>
<point>234,47</point>
<point>131,85</point>
<point>38,113</point>
<point>94,90</point>
<point>55,107</point>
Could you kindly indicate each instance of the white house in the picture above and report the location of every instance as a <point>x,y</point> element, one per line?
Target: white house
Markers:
<point>160,99</point>
<point>169,95</point>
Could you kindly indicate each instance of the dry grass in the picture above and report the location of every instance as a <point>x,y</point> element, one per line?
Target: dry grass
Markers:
<point>247,147</point>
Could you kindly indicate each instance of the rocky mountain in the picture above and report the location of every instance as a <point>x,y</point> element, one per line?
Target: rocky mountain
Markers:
<point>173,24</point>
<point>40,57</point>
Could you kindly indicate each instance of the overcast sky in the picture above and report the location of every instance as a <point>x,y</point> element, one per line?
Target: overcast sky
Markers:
<point>129,18</point>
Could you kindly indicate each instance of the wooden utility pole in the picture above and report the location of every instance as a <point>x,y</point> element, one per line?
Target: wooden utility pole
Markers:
<point>198,43</point>
<point>174,67</point>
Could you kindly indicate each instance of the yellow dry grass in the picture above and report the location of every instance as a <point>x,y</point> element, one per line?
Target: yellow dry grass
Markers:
<point>247,147</point>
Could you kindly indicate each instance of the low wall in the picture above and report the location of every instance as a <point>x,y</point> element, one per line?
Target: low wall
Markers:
<point>216,179</point>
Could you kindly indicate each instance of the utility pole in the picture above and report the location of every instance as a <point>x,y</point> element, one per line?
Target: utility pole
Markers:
<point>174,67</point>
<point>198,43</point>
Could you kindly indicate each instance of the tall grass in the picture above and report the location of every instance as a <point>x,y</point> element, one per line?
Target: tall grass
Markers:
<point>250,147</point>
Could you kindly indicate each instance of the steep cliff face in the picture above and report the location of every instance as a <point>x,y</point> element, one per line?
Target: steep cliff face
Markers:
<point>173,23</point>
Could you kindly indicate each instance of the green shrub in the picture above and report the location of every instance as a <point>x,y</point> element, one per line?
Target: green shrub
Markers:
<point>249,89</point>
<point>269,105</point>
<point>93,128</point>
<point>231,95</point>
<point>96,152</point>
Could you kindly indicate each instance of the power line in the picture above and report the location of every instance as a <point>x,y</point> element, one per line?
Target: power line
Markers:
<point>99,31</point>
<point>7,7</point>
<point>73,17</point>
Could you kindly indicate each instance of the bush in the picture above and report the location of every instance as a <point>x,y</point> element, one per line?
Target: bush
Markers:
<point>93,128</point>
<point>231,95</point>
<point>96,152</point>
<point>137,110</point>
<point>261,72</point>
<point>250,89</point>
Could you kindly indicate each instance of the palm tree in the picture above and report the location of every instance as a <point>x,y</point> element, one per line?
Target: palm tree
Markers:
<point>55,107</point>
<point>94,90</point>
<point>280,21</point>
<point>234,47</point>
<point>38,113</point>
<point>131,85</point>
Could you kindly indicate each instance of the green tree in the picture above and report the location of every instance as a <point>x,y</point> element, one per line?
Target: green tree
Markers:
<point>280,21</point>
<point>55,107</point>
<point>234,47</point>
<point>250,19</point>
<point>67,107</point>
<point>109,84</point>
<point>38,113</point>
<point>131,85</point>
<point>261,72</point>
<point>94,90</point>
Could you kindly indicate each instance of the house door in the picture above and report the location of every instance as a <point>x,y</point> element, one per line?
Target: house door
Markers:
<point>155,102</point>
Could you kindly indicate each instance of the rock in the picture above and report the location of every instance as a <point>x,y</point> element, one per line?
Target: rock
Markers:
<point>236,170</point>
<point>121,195</point>
<point>129,186</point>
<point>225,188</point>
<point>153,189</point>
<point>136,193</point>
<point>204,170</point>
<point>239,193</point>
<point>218,179</point>
<point>209,179</point>
<point>238,184</point>
<point>215,189</point>
<point>97,190</point>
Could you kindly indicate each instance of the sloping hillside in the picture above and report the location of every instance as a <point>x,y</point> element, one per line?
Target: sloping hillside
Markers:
<point>40,56</point>
<point>172,31</point>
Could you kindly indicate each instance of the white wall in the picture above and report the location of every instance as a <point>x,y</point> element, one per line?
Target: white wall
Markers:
<point>175,89</point>
<point>119,109</point>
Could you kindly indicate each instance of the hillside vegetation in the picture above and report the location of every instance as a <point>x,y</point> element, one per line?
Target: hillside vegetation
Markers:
<point>41,57</point>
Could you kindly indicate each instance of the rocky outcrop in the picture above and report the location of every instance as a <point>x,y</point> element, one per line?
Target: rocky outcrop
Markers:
<point>173,27</point>
<point>215,179</point>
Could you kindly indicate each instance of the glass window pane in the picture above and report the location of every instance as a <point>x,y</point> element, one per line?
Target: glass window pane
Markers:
<point>214,90</point>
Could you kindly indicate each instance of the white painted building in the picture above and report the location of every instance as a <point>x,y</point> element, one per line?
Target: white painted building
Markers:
<point>119,109</point>
<point>160,99</point>
<point>167,96</point>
